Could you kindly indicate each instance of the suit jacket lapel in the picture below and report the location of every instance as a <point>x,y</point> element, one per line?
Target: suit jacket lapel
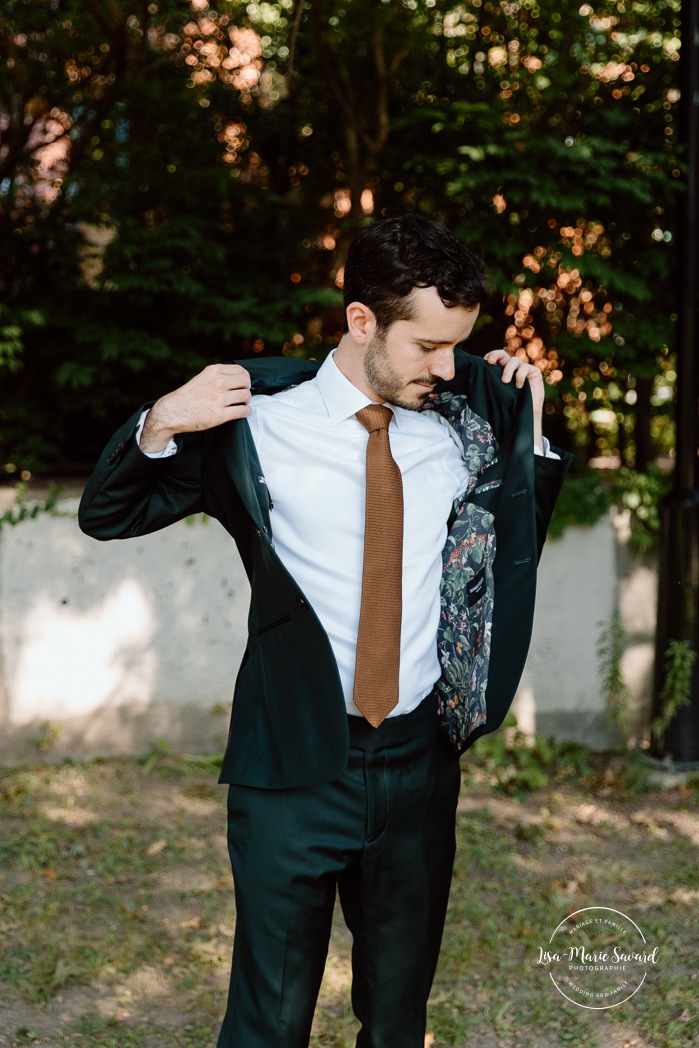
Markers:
<point>242,467</point>
<point>242,462</point>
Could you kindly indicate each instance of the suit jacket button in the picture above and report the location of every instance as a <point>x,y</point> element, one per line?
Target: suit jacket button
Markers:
<point>116,454</point>
<point>301,602</point>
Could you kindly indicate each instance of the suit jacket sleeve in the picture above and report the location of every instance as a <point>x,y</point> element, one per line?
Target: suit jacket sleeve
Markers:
<point>549,474</point>
<point>130,494</point>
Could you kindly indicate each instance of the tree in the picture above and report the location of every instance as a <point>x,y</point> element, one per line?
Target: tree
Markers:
<point>180,183</point>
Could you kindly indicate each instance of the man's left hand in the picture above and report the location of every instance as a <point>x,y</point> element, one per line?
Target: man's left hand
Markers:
<point>522,372</point>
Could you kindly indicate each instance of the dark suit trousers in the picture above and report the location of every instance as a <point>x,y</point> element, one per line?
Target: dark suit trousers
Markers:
<point>383,836</point>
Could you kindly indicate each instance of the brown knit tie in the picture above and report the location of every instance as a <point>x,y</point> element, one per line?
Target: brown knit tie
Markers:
<point>378,640</point>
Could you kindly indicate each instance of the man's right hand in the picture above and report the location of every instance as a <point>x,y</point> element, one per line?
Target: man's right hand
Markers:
<point>218,394</point>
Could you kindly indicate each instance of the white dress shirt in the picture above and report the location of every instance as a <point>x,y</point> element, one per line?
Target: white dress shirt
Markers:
<point>312,451</point>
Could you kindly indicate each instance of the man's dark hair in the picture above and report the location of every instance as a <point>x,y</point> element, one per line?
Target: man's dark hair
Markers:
<point>395,255</point>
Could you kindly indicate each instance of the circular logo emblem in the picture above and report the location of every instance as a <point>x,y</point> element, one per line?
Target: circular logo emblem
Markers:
<point>598,957</point>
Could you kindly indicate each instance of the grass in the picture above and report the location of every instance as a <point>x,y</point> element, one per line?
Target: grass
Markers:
<point>117,916</point>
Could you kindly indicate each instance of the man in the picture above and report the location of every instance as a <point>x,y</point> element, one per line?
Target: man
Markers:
<point>386,631</point>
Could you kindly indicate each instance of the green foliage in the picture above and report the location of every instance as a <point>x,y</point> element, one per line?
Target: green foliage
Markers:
<point>641,494</point>
<point>24,510</point>
<point>46,737</point>
<point>517,763</point>
<point>26,1036</point>
<point>585,497</point>
<point>611,641</point>
<point>26,447</point>
<point>12,328</point>
<point>162,762</point>
<point>179,185</point>
<point>680,658</point>
<point>588,494</point>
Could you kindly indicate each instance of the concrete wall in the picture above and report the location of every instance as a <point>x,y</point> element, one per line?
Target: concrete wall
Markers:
<point>586,579</point>
<point>106,648</point>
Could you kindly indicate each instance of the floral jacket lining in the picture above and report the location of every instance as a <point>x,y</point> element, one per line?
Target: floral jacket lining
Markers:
<point>467,589</point>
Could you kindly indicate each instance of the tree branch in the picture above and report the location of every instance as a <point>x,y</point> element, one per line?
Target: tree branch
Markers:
<point>293,38</point>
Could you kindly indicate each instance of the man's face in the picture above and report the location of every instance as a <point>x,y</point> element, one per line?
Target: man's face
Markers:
<point>403,363</point>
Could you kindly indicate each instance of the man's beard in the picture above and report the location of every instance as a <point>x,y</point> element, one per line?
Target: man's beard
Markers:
<point>386,382</point>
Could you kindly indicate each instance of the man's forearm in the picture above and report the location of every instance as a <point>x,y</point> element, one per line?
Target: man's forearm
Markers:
<point>154,436</point>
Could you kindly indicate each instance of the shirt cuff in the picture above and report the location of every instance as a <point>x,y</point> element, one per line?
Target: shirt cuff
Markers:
<point>169,449</point>
<point>546,453</point>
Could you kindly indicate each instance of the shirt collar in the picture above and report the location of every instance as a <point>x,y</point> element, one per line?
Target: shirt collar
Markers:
<point>341,397</point>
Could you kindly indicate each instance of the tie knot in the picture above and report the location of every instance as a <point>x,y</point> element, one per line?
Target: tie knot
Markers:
<point>375,416</point>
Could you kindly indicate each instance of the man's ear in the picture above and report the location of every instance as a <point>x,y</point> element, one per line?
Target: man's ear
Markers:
<point>361,323</point>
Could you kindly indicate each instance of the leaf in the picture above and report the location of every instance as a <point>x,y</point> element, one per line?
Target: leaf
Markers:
<point>156,847</point>
<point>193,922</point>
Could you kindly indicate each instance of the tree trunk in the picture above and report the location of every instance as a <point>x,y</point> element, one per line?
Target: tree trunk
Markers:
<point>642,435</point>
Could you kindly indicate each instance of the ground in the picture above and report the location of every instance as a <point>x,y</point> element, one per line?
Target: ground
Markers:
<point>117,916</point>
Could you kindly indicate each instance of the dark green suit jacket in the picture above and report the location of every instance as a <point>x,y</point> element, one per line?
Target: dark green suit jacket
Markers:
<point>288,723</point>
